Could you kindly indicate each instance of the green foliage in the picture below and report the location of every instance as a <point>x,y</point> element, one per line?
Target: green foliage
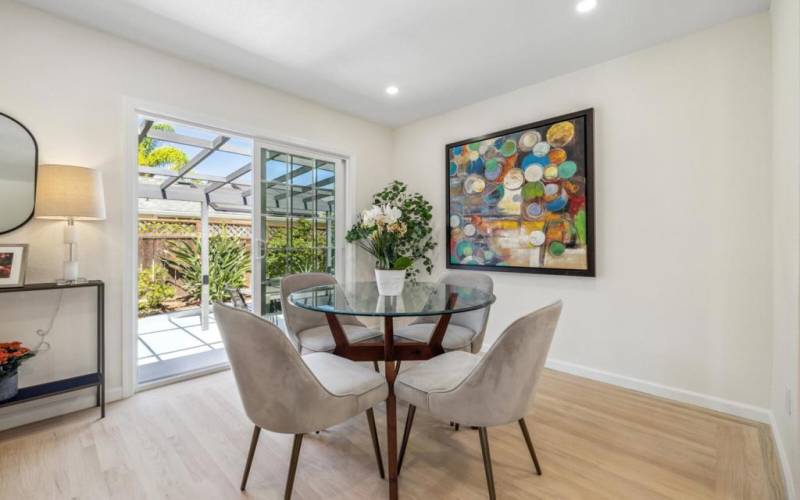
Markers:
<point>417,215</point>
<point>154,288</point>
<point>402,262</point>
<point>152,154</point>
<point>303,257</point>
<point>229,262</point>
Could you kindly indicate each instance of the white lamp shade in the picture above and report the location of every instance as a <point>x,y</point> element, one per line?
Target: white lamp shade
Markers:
<point>67,191</point>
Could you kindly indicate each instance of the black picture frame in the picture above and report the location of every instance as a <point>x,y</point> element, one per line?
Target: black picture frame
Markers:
<point>590,271</point>
<point>35,172</point>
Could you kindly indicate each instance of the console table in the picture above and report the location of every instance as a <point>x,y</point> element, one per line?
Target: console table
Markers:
<point>95,379</point>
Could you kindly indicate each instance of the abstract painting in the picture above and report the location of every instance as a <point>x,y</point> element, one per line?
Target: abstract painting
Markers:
<point>521,200</point>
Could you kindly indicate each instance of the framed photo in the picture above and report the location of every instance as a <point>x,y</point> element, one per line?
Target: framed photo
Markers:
<point>522,199</point>
<point>13,259</point>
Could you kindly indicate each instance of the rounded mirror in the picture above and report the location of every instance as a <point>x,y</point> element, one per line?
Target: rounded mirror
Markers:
<point>18,162</point>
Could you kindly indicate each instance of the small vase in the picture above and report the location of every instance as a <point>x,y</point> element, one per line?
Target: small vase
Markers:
<point>8,387</point>
<point>390,282</point>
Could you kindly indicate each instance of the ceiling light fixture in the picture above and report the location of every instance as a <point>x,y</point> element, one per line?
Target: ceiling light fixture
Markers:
<point>392,90</point>
<point>585,6</point>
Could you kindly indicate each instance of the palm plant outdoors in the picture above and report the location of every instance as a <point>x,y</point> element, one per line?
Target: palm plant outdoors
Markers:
<point>229,262</point>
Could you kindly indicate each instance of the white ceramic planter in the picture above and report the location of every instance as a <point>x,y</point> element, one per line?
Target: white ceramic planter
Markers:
<point>390,282</point>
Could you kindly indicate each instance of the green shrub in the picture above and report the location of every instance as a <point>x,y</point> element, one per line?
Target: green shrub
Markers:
<point>154,288</point>
<point>228,259</point>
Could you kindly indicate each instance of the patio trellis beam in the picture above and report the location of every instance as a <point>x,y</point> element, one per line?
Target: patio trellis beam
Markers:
<point>176,138</point>
<point>145,129</point>
<point>196,160</point>
<point>229,178</point>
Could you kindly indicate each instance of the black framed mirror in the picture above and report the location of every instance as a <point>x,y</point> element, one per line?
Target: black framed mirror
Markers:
<point>19,160</point>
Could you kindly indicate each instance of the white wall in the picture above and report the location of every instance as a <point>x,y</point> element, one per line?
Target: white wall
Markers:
<point>68,85</point>
<point>785,17</point>
<point>683,292</point>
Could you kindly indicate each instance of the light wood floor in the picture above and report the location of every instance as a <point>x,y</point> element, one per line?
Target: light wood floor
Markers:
<point>594,441</point>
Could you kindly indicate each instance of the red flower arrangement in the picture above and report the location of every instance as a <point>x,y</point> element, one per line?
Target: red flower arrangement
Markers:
<point>12,354</point>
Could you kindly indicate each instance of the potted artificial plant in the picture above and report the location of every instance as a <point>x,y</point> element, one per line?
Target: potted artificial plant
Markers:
<point>397,231</point>
<point>12,354</point>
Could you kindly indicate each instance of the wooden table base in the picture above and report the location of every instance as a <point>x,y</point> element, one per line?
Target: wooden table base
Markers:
<point>390,353</point>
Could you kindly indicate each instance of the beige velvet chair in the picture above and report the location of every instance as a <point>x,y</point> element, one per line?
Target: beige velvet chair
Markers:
<point>309,330</point>
<point>465,331</point>
<point>284,392</point>
<point>484,391</point>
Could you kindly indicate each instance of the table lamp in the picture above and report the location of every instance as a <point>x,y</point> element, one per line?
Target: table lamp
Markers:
<point>72,193</point>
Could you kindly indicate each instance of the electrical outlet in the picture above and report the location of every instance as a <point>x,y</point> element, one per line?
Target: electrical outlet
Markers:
<point>788,401</point>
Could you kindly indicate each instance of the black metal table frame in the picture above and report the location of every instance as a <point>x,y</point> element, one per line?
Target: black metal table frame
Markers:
<point>96,379</point>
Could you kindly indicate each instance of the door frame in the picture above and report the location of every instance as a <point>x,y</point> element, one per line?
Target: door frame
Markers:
<point>131,109</point>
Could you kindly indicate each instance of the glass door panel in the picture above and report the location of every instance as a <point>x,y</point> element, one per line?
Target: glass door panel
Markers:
<point>298,196</point>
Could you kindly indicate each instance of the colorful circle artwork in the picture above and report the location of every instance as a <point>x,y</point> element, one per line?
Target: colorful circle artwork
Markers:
<point>475,146</point>
<point>457,151</point>
<point>541,149</point>
<point>514,179</point>
<point>557,156</point>
<point>532,190</point>
<point>474,184</point>
<point>551,172</point>
<point>557,205</point>
<point>464,249</point>
<point>473,155</point>
<point>494,197</point>
<point>529,139</point>
<point>484,147</point>
<point>551,190</point>
<point>560,134</point>
<point>475,166</point>
<point>567,169</point>
<point>534,173</point>
<point>537,238</point>
<point>453,168</point>
<point>557,248</point>
<point>493,169</point>
<point>455,221</point>
<point>509,148</point>
<point>470,230</point>
<point>534,210</point>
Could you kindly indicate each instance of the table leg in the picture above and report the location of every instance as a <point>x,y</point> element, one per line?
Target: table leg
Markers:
<point>391,406</point>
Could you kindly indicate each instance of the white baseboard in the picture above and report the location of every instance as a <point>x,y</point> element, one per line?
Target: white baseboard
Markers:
<point>783,457</point>
<point>736,408</point>
<point>42,409</point>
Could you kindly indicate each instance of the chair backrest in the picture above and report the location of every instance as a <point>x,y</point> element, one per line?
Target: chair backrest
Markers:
<point>474,320</point>
<point>502,386</point>
<point>278,391</point>
<point>299,319</point>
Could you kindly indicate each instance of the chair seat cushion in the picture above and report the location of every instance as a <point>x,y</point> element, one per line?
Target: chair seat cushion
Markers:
<point>440,374</point>
<point>456,338</point>
<point>320,338</point>
<point>344,378</point>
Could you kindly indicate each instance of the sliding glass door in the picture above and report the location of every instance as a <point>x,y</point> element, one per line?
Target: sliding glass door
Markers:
<point>298,201</point>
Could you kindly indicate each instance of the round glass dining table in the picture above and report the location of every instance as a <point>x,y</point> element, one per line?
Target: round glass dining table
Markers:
<point>362,299</point>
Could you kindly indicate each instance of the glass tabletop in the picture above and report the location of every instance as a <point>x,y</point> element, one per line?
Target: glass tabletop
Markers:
<point>362,299</point>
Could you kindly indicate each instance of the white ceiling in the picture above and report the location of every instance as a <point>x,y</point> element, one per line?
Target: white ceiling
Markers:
<point>442,54</point>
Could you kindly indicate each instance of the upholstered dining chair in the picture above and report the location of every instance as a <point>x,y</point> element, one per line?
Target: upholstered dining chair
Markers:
<point>465,331</point>
<point>483,391</point>
<point>308,329</point>
<point>287,393</point>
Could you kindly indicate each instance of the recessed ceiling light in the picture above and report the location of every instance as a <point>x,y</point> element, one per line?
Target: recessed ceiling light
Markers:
<point>392,90</point>
<point>585,6</point>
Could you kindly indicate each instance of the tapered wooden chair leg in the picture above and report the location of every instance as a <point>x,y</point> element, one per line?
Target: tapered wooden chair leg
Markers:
<point>375,443</point>
<point>457,426</point>
<point>528,441</point>
<point>298,440</point>
<point>487,461</point>
<point>407,432</point>
<point>250,455</point>
<point>375,365</point>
